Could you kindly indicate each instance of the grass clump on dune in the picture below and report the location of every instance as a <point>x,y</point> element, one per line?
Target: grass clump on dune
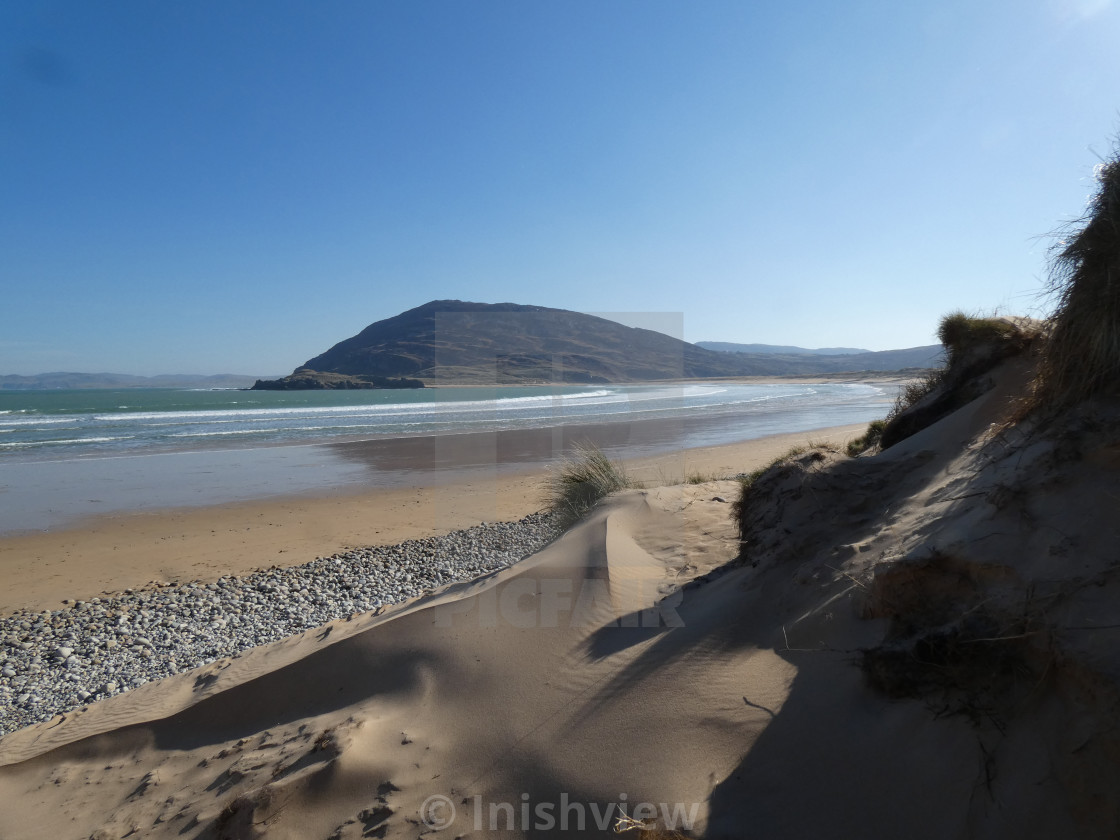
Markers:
<point>964,337</point>
<point>580,480</point>
<point>1081,358</point>
<point>913,392</point>
<point>868,439</point>
<point>703,477</point>
<point>974,346</point>
<point>759,490</point>
<point>747,480</point>
<point>961,334</point>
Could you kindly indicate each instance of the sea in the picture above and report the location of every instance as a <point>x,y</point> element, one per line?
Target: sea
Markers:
<point>69,454</point>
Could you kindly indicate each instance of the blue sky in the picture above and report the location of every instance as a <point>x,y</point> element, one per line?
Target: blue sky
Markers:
<point>235,186</point>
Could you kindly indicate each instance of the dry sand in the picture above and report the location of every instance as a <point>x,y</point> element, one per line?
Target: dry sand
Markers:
<point>113,553</point>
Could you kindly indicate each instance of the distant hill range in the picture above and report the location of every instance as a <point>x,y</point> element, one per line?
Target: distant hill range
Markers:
<point>832,360</point>
<point>452,341</point>
<point>782,349</point>
<point>50,381</point>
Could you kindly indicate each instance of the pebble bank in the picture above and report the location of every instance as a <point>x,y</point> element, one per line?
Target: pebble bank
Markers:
<point>55,661</point>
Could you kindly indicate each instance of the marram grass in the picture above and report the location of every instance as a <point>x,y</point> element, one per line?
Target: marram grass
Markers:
<point>868,439</point>
<point>580,480</point>
<point>960,333</point>
<point>1081,358</point>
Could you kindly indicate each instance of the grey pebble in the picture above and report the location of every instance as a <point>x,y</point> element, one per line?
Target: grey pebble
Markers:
<point>60,660</point>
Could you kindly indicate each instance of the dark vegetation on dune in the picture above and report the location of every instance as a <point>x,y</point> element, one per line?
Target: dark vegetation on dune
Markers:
<point>1081,357</point>
<point>974,347</point>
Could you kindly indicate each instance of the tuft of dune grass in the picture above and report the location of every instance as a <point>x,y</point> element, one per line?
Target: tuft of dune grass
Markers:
<point>703,478</point>
<point>961,333</point>
<point>747,480</point>
<point>974,345</point>
<point>868,439</point>
<point>1081,358</point>
<point>581,479</point>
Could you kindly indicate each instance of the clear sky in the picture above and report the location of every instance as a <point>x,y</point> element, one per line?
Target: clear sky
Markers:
<point>226,186</point>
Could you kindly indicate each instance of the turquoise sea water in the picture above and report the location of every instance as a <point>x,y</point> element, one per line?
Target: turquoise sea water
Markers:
<point>68,454</point>
<point>52,425</point>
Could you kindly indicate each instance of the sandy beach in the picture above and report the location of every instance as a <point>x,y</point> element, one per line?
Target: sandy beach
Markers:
<point>113,553</point>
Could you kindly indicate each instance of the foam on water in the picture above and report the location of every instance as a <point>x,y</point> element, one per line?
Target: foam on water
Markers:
<point>37,421</point>
<point>95,425</point>
<point>66,455</point>
<point>64,441</point>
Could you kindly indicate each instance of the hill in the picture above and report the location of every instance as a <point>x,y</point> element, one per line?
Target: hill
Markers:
<point>784,349</point>
<point>450,341</point>
<point>928,356</point>
<point>76,381</point>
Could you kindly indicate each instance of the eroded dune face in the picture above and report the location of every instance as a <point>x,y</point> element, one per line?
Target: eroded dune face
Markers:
<point>982,595</point>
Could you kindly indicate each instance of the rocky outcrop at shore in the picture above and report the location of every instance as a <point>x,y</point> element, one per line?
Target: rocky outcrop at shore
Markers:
<point>311,380</point>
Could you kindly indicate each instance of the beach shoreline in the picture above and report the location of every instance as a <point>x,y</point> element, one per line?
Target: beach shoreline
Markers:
<point>116,552</point>
<point>164,453</point>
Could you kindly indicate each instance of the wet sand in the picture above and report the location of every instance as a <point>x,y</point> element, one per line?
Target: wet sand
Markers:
<point>469,481</point>
<point>55,494</point>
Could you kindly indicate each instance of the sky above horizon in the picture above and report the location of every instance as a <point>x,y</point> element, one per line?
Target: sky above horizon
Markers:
<point>216,187</point>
